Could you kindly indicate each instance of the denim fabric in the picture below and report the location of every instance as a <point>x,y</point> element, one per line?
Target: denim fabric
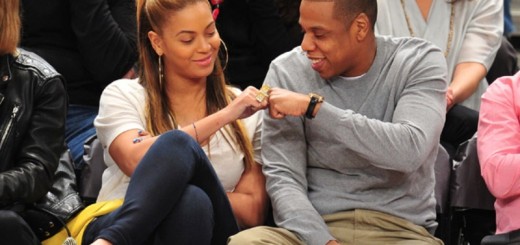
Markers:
<point>79,127</point>
<point>509,25</point>
<point>174,197</point>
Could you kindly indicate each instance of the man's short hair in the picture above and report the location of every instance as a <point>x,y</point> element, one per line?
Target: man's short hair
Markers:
<point>349,9</point>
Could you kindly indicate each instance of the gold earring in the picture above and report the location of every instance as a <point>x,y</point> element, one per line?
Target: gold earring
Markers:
<point>161,74</point>
<point>226,58</point>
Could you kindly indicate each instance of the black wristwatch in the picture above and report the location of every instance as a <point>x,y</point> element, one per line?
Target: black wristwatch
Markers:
<point>315,99</point>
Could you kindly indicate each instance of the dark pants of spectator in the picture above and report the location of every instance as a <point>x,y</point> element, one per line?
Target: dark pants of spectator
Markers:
<point>471,226</point>
<point>174,197</point>
<point>461,124</point>
<point>14,230</point>
<point>505,63</point>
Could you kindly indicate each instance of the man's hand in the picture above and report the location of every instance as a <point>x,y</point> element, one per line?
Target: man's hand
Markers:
<point>287,103</point>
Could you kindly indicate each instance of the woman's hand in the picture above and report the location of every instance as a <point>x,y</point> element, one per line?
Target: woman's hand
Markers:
<point>249,199</point>
<point>449,99</point>
<point>141,135</point>
<point>246,104</point>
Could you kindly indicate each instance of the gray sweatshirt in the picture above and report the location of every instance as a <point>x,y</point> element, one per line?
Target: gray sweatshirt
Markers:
<point>371,146</point>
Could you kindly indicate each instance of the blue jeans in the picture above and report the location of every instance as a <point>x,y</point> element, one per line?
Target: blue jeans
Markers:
<point>174,197</point>
<point>509,25</point>
<point>78,128</point>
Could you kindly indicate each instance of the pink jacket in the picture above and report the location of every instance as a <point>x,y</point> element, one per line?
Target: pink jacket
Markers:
<point>499,149</point>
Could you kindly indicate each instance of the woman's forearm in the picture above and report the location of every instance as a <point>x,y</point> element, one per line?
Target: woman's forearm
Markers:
<point>466,79</point>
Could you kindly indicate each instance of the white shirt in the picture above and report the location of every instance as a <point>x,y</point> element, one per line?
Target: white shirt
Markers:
<point>122,107</point>
<point>477,31</point>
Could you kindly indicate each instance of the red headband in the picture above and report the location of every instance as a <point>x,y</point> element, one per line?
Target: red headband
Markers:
<point>216,6</point>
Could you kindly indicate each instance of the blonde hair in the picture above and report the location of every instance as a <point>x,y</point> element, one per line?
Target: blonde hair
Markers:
<point>9,26</point>
<point>151,16</point>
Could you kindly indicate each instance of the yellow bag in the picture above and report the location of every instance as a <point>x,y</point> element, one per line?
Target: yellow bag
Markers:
<point>78,224</point>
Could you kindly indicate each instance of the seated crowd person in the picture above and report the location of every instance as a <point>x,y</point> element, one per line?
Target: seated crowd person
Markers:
<point>498,146</point>
<point>350,147</point>
<point>91,43</point>
<point>469,34</point>
<point>33,105</point>
<point>255,34</point>
<point>187,168</point>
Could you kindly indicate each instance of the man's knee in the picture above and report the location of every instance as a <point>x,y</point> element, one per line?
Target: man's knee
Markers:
<point>249,236</point>
<point>264,235</point>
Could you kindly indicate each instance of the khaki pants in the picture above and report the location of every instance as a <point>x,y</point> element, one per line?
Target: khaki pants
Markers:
<point>357,227</point>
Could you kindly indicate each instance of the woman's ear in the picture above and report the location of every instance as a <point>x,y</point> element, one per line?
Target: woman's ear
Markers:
<point>156,42</point>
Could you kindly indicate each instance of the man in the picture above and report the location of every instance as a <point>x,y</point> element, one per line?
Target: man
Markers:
<point>354,162</point>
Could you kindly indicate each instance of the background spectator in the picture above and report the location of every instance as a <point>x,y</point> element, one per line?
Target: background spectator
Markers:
<point>33,105</point>
<point>91,43</point>
<point>469,33</point>
<point>254,34</point>
<point>498,146</point>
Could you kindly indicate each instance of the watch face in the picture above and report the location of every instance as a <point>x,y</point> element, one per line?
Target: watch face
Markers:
<point>317,96</point>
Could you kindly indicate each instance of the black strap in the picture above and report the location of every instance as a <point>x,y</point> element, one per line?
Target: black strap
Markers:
<point>310,108</point>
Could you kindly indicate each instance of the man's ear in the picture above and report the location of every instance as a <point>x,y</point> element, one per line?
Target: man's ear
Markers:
<point>156,42</point>
<point>361,26</point>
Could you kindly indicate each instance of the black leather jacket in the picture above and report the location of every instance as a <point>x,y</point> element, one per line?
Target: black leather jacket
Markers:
<point>33,104</point>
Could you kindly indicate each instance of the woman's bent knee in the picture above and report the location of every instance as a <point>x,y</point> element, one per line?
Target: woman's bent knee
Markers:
<point>195,205</point>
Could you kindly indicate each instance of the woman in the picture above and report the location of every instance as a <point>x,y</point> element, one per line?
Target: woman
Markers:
<point>151,128</point>
<point>498,146</point>
<point>33,106</point>
<point>469,33</point>
<point>90,43</point>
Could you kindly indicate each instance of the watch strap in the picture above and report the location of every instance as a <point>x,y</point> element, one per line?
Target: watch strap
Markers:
<point>315,99</point>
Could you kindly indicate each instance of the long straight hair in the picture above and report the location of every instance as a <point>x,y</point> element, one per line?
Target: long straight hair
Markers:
<point>151,16</point>
<point>9,26</point>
